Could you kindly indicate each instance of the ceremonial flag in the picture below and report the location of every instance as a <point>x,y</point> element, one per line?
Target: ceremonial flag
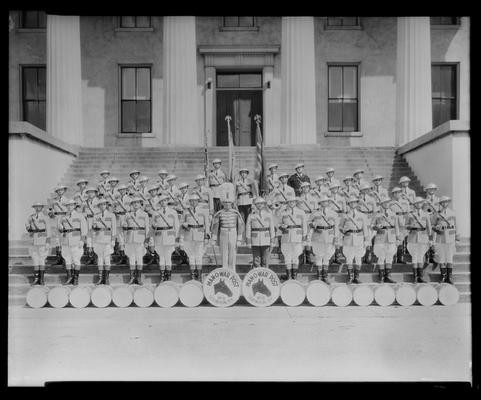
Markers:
<point>231,151</point>
<point>260,171</point>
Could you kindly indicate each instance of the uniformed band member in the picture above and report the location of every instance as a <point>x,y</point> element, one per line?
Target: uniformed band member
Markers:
<point>194,235</point>
<point>260,233</point>
<point>136,229</point>
<point>111,192</point>
<point>272,178</point>
<point>172,191</point>
<point>165,230</point>
<point>38,227</point>
<point>308,203</point>
<point>161,181</point>
<point>378,191</point>
<point>418,224</point>
<point>293,228</point>
<point>386,227</point>
<point>104,232</point>
<point>134,184</point>
<point>350,189</point>
<point>323,225</point>
<point>354,227</point>
<point>206,202</point>
<point>401,207</point>
<point>215,179</point>
<point>120,209</point>
<point>330,174</point>
<point>367,205</point>
<point>295,180</point>
<point>152,200</point>
<point>321,187</point>
<point>82,185</point>
<point>279,195</point>
<point>358,178</point>
<point>228,227</point>
<point>444,227</point>
<point>431,206</point>
<point>245,191</point>
<point>338,205</point>
<point>73,229</point>
<point>406,191</point>
<point>103,185</point>
<point>56,211</point>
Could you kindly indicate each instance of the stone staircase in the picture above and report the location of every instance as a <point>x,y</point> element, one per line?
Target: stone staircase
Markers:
<point>186,163</point>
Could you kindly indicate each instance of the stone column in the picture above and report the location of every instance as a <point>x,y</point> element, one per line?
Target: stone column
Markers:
<point>64,79</point>
<point>298,98</point>
<point>181,124</point>
<point>414,114</point>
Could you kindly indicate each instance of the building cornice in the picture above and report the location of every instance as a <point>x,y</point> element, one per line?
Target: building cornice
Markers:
<point>236,55</point>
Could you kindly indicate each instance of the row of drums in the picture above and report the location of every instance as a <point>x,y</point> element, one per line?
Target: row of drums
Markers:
<point>266,291</point>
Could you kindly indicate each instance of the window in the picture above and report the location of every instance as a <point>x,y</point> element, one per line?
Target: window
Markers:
<point>33,20</point>
<point>239,80</point>
<point>136,108</point>
<point>134,22</point>
<point>342,98</point>
<point>342,22</point>
<point>33,95</point>
<point>444,20</point>
<point>444,87</point>
<point>238,22</point>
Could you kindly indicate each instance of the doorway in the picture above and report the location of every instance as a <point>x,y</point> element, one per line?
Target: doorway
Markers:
<point>239,94</point>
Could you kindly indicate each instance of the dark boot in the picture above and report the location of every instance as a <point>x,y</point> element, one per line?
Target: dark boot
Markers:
<point>356,276</point>
<point>167,275</point>
<point>400,254</point>
<point>324,275</point>
<point>138,277</point>
<point>350,276</point>
<point>444,275</point>
<point>198,272</point>
<point>132,277</point>
<point>106,277</point>
<point>319,273</point>
<point>69,280</point>
<point>381,275</point>
<point>36,280</point>
<point>415,275</point>
<point>387,276</point>
<point>420,276</point>
<point>100,280</point>
<point>192,274</point>
<point>449,277</point>
<point>58,253</point>
<point>288,274</point>
<point>75,277</point>
<point>162,276</point>
<point>42,280</point>
<point>294,273</point>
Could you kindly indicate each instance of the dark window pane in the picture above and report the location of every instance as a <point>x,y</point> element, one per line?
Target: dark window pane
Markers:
<point>30,83</point>
<point>42,19</point>
<point>143,116</point>
<point>246,21</point>
<point>350,82</point>
<point>349,116</point>
<point>127,22</point>
<point>231,21</point>
<point>335,115</point>
<point>42,84</point>
<point>31,113</point>
<point>143,84</point>
<point>128,116</point>
<point>143,22</point>
<point>228,81</point>
<point>435,20</point>
<point>349,21</point>
<point>444,20</point>
<point>436,80</point>
<point>335,82</point>
<point>42,111</point>
<point>250,80</point>
<point>128,83</point>
<point>448,81</point>
<point>30,19</point>
<point>334,21</point>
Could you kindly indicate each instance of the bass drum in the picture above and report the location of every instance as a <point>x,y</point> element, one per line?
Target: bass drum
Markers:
<point>191,293</point>
<point>167,294</point>
<point>123,296</point>
<point>80,296</point>
<point>318,293</point>
<point>341,295</point>
<point>293,293</point>
<point>58,296</point>
<point>448,294</point>
<point>101,296</point>
<point>37,296</point>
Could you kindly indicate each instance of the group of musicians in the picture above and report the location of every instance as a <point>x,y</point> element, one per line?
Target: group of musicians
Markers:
<point>322,223</point>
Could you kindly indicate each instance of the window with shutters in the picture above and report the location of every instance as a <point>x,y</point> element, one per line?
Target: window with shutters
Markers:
<point>136,99</point>
<point>34,95</point>
<point>232,23</point>
<point>343,23</point>
<point>135,22</point>
<point>444,93</point>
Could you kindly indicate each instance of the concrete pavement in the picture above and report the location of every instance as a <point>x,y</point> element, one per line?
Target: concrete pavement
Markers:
<point>240,343</point>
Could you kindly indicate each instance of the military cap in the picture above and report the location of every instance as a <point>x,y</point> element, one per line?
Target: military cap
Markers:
<point>444,199</point>
<point>194,197</point>
<point>83,180</point>
<point>396,189</point>
<point>66,202</point>
<point>162,171</point>
<point>38,204</point>
<point>112,179</point>
<point>404,179</point>
<point>299,165</point>
<point>259,200</point>
<point>324,198</point>
<point>377,178</point>
<point>105,171</point>
<point>217,161</point>
<point>273,165</point>
<point>134,171</point>
<point>152,187</point>
<point>304,184</point>
<point>163,197</point>
<point>334,184</point>
<point>283,174</point>
<point>365,186</point>
<point>321,178</point>
<point>60,187</point>
<point>135,199</point>
<point>199,177</point>
<point>91,189</point>
<point>102,201</point>
<point>183,185</point>
<point>384,199</point>
<point>330,169</point>
<point>431,186</point>
<point>244,169</point>
<point>348,178</point>
<point>122,187</point>
<point>143,179</point>
<point>418,200</point>
<point>352,199</point>
<point>170,178</point>
<point>358,171</point>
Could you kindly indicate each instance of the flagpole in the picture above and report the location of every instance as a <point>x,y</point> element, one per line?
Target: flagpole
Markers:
<point>260,155</point>
<point>231,150</point>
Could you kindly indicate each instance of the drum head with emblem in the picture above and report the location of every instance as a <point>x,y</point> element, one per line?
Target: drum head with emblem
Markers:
<point>261,287</point>
<point>222,287</point>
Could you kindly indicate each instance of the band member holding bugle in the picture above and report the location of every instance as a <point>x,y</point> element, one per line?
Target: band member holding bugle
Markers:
<point>406,191</point>
<point>38,228</point>
<point>431,206</point>
<point>308,202</point>
<point>418,223</point>
<point>354,227</point>
<point>378,190</point>
<point>330,175</point>
<point>272,178</point>
<point>444,227</point>
<point>339,206</point>
<point>194,235</point>
<point>215,180</point>
<point>134,184</point>
<point>260,233</point>
<point>368,206</point>
<point>206,202</point>
<point>387,234</point>
<point>349,189</point>
<point>245,191</point>
<point>401,206</point>
<point>103,185</point>
<point>323,234</point>
<point>295,180</point>
<point>104,232</point>
<point>56,211</point>
<point>161,182</point>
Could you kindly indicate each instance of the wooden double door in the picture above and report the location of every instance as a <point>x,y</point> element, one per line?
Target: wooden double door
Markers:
<point>242,106</point>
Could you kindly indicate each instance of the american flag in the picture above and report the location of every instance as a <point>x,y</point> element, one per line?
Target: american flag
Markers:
<point>260,170</point>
